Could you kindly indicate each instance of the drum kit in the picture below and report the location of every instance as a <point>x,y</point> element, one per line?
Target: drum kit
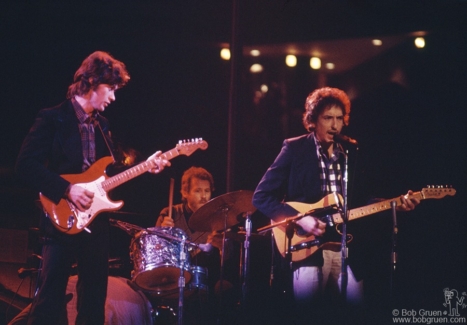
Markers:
<point>161,257</point>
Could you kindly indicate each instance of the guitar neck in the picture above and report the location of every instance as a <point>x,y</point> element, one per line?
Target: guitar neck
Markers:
<point>374,208</point>
<point>135,171</point>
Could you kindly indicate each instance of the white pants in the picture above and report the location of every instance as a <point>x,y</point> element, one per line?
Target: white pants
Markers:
<point>312,282</point>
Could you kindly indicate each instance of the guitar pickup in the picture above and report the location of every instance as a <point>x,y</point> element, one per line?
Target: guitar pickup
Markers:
<point>304,245</point>
<point>319,211</point>
<point>328,220</point>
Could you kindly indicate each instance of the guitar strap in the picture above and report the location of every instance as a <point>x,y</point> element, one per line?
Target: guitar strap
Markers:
<point>105,139</point>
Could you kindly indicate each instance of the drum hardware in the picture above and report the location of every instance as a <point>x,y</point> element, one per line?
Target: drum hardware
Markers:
<point>164,315</point>
<point>181,283</point>
<point>222,212</point>
<point>158,273</point>
<point>197,285</point>
<point>129,228</point>
<point>166,235</point>
<point>199,279</point>
<point>156,260</point>
<point>245,263</point>
<point>239,235</point>
<point>220,215</point>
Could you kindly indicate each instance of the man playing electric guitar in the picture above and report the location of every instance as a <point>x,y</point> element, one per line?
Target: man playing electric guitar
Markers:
<point>68,139</point>
<point>307,169</point>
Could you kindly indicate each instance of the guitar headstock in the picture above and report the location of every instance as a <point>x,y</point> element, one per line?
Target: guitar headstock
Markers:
<point>437,192</point>
<point>187,147</point>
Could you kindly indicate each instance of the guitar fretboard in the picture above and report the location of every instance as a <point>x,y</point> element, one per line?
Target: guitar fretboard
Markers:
<point>114,181</point>
<point>373,208</point>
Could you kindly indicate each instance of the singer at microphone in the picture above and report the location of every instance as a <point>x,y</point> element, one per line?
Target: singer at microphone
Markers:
<point>343,138</point>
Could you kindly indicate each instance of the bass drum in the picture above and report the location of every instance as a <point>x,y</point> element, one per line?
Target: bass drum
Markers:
<point>156,259</point>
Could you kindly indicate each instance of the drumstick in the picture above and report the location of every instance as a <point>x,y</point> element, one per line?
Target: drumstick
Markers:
<point>171,195</point>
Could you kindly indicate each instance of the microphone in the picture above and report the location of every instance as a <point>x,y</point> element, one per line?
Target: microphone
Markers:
<point>343,138</point>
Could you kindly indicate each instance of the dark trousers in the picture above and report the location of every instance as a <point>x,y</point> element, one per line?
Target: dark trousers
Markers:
<point>90,252</point>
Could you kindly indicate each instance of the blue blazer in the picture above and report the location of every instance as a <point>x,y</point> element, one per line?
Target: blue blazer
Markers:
<point>293,176</point>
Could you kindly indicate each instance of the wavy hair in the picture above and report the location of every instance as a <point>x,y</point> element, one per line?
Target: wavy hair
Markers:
<point>323,98</point>
<point>98,68</point>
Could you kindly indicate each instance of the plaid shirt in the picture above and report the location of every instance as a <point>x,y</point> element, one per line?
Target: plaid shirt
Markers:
<point>87,125</point>
<point>330,170</point>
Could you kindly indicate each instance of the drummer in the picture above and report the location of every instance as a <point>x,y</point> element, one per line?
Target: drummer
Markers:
<point>196,189</point>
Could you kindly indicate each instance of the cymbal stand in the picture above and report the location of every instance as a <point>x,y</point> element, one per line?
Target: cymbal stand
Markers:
<point>245,260</point>
<point>225,210</point>
<point>181,282</point>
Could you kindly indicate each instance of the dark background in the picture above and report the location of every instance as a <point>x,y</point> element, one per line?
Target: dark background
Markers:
<point>411,135</point>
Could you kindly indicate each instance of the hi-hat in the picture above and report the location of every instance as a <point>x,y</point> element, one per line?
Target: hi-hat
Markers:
<point>222,212</point>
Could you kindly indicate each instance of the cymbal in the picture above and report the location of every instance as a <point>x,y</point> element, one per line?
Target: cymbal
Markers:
<point>222,212</point>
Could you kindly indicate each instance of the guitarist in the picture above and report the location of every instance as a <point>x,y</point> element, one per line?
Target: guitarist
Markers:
<point>308,168</point>
<point>67,139</point>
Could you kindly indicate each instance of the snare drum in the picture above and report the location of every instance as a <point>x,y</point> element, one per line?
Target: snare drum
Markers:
<point>156,259</point>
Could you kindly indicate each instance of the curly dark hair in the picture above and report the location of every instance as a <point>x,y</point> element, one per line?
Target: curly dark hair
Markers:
<point>322,98</point>
<point>98,68</point>
<point>196,172</point>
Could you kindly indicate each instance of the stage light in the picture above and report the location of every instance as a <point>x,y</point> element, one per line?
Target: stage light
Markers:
<point>377,42</point>
<point>419,42</point>
<point>291,60</point>
<point>315,63</point>
<point>330,66</point>
<point>256,68</point>
<point>225,54</point>
<point>255,53</point>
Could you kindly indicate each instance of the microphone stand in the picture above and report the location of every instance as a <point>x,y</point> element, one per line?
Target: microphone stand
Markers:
<point>394,246</point>
<point>289,231</point>
<point>344,275</point>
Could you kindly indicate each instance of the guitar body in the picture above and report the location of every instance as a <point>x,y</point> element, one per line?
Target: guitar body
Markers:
<point>282,241</point>
<point>325,206</point>
<point>68,219</point>
<point>65,216</point>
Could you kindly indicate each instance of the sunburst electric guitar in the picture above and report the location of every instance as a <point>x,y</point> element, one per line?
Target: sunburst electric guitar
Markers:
<point>303,246</point>
<point>68,219</point>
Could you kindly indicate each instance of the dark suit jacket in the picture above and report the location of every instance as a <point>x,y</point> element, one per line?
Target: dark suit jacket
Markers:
<point>293,176</point>
<point>53,147</point>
